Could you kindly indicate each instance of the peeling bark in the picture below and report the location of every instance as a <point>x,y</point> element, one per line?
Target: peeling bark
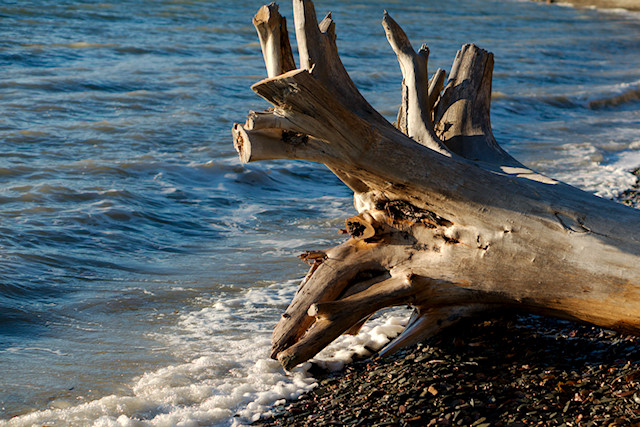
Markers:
<point>448,222</point>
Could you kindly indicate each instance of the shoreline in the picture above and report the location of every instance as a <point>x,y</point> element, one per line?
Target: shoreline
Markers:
<point>630,5</point>
<point>520,370</point>
<point>516,370</point>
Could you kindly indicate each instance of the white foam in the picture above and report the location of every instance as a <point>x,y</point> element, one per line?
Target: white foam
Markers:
<point>226,378</point>
<point>372,337</point>
<point>629,159</point>
<point>584,166</point>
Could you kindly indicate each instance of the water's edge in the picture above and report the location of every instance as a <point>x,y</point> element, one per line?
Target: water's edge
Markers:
<point>142,266</point>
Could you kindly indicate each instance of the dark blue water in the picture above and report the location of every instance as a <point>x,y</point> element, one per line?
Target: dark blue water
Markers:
<point>142,266</point>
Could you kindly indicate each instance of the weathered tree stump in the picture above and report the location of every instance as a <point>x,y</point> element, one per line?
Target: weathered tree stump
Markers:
<point>448,222</point>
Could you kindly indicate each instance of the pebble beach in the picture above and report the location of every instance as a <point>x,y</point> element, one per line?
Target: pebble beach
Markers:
<point>516,370</point>
<point>143,266</point>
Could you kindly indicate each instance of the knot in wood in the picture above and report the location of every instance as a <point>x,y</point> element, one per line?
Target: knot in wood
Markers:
<point>401,211</point>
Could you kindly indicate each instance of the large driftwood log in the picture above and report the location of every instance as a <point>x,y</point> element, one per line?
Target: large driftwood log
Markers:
<point>448,222</point>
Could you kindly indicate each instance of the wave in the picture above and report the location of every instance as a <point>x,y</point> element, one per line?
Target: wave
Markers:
<point>225,377</point>
<point>607,96</point>
<point>621,94</point>
<point>597,97</point>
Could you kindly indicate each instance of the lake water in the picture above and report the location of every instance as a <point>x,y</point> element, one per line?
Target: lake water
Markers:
<point>142,267</point>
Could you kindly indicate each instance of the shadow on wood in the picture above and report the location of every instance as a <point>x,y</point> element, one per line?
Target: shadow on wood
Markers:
<point>448,223</point>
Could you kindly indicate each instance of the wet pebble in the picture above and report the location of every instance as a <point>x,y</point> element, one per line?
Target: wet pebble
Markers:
<point>523,370</point>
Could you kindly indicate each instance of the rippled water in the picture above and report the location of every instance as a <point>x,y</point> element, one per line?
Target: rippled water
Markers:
<point>142,267</point>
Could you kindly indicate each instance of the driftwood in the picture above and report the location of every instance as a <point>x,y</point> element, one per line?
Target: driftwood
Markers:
<point>448,222</point>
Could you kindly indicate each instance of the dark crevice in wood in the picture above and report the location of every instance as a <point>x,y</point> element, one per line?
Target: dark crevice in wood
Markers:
<point>400,210</point>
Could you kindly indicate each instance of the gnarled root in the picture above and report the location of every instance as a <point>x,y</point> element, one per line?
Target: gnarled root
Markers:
<point>448,222</point>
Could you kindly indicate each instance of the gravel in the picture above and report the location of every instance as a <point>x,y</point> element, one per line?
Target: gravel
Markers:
<point>517,370</point>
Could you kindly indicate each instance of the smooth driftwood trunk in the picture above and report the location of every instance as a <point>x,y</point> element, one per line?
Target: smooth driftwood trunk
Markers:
<point>448,222</point>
